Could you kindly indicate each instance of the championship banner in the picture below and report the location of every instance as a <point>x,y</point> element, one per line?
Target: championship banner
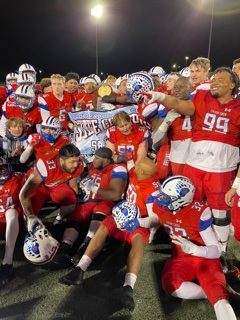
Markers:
<point>90,128</point>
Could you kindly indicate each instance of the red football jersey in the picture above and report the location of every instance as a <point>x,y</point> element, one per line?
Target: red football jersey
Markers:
<point>142,192</point>
<point>181,128</point>
<point>9,194</point>
<point>44,148</point>
<point>215,121</point>
<point>84,101</point>
<point>103,177</point>
<point>186,222</point>
<point>52,173</point>
<point>50,105</point>
<point>3,95</point>
<point>31,118</point>
<point>128,142</point>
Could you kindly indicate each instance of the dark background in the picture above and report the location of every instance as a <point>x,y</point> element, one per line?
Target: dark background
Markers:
<point>57,36</point>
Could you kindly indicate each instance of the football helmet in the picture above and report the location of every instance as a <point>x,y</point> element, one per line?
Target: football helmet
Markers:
<point>26,92</point>
<point>124,211</point>
<point>39,246</point>
<point>137,83</point>
<point>11,77</point>
<point>185,72</point>
<point>24,78</point>
<point>117,82</point>
<point>176,192</point>
<point>82,80</point>
<point>51,123</point>
<point>157,71</point>
<point>96,78</point>
<point>26,68</point>
<point>5,170</point>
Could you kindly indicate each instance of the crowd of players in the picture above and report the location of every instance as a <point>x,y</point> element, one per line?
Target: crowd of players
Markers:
<point>178,166</point>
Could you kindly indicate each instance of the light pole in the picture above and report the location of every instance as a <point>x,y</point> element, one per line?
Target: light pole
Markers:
<point>210,30</point>
<point>186,60</point>
<point>97,13</point>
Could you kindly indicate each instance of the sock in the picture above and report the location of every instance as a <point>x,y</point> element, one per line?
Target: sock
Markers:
<point>58,217</point>
<point>189,290</point>
<point>130,279</point>
<point>84,262</point>
<point>222,234</point>
<point>224,310</point>
<point>94,224</point>
<point>12,229</point>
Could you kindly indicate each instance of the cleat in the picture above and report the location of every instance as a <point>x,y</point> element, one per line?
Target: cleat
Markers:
<point>6,274</point>
<point>74,277</point>
<point>124,295</point>
<point>62,259</point>
<point>233,275</point>
<point>234,296</point>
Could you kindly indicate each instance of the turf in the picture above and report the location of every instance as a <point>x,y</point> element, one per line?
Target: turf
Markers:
<point>35,294</point>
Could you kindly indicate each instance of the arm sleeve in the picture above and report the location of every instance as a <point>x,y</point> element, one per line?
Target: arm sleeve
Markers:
<point>43,107</point>
<point>119,172</point>
<point>41,169</point>
<point>26,154</point>
<point>212,250</point>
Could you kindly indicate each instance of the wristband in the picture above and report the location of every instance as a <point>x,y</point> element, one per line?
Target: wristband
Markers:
<point>236,183</point>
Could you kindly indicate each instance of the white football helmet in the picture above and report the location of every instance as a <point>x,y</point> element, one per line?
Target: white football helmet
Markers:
<point>176,192</point>
<point>52,123</point>
<point>82,80</point>
<point>117,82</point>
<point>39,246</point>
<point>96,78</point>
<point>124,211</point>
<point>137,83</point>
<point>11,77</point>
<point>163,78</point>
<point>185,72</point>
<point>26,68</point>
<point>24,78</point>
<point>157,71</point>
<point>26,92</point>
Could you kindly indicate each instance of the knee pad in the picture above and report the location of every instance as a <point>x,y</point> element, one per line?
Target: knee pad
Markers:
<point>221,217</point>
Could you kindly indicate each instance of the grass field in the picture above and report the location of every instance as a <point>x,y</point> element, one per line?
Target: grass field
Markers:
<point>35,294</point>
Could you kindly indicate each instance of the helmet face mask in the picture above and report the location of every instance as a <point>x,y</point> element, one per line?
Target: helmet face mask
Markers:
<point>11,78</point>
<point>138,83</point>
<point>24,97</point>
<point>50,129</point>
<point>176,192</point>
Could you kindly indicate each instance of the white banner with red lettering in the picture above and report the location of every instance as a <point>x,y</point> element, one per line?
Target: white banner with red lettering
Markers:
<point>90,128</point>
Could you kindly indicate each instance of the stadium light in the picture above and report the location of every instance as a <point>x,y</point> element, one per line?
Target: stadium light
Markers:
<point>186,60</point>
<point>97,13</point>
<point>210,30</point>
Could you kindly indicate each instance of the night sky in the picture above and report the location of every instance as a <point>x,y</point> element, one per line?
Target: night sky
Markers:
<point>58,36</point>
